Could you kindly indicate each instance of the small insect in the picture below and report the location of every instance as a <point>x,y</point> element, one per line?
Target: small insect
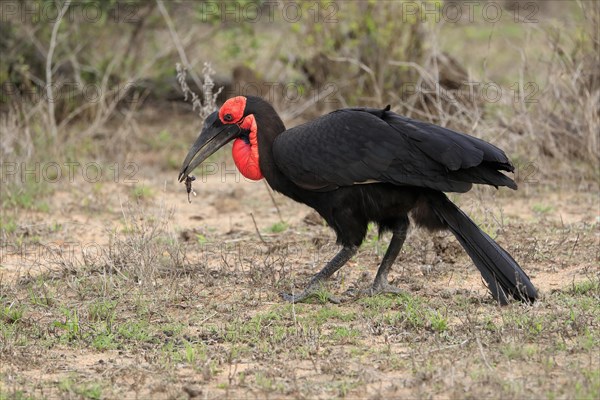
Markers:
<point>188,186</point>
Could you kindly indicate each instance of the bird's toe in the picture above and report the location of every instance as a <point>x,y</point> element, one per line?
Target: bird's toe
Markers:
<point>294,298</point>
<point>383,288</point>
<point>321,296</point>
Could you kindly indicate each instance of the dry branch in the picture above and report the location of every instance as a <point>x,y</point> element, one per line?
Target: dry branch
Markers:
<point>49,92</point>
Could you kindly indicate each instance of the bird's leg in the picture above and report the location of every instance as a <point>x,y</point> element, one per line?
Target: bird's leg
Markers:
<point>332,266</point>
<point>380,284</point>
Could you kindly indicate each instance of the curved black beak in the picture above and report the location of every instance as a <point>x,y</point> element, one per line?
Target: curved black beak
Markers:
<point>214,135</point>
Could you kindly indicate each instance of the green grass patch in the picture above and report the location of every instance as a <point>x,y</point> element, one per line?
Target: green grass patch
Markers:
<point>584,288</point>
<point>540,208</point>
<point>278,227</point>
<point>142,192</point>
<point>87,390</point>
<point>344,335</point>
<point>11,314</point>
<point>135,331</point>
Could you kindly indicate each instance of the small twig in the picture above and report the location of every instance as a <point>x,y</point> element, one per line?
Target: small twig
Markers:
<point>206,319</point>
<point>273,200</point>
<point>177,41</point>
<point>574,246</point>
<point>482,354</point>
<point>257,231</point>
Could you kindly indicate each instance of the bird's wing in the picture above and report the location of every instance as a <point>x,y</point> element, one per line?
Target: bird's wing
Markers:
<point>357,146</point>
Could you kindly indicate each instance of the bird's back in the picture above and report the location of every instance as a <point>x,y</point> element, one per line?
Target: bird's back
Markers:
<point>361,145</point>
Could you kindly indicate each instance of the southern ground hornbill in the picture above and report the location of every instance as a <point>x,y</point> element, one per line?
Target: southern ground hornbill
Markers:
<point>361,165</point>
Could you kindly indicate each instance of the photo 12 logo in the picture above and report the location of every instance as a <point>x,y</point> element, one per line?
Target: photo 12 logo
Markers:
<point>90,93</point>
<point>47,253</point>
<point>473,91</point>
<point>268,11</point>
<point>53,172</point>
<point>83,11</point>
<point>469,11</point>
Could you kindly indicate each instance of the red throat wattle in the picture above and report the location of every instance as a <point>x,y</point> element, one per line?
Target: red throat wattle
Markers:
<point>245,155</point>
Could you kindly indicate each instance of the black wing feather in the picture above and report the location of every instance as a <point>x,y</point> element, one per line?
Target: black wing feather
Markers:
<point>362,145</point>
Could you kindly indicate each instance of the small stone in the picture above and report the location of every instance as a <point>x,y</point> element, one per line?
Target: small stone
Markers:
<point>192,390</point>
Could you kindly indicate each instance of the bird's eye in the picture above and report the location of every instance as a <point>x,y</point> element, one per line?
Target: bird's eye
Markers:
<point>228,117</point>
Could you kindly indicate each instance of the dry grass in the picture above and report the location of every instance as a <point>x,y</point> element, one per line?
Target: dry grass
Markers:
<point>564,125</point>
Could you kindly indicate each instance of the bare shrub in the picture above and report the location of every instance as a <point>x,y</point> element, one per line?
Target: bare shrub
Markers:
<point>355,52</point>
<point>373,67</point>
<point>565,122</point>
<point>83,81</point>
<point>17,141</point>
<point>375,54</point>
<point>147,250</point>
<point>208,104</point>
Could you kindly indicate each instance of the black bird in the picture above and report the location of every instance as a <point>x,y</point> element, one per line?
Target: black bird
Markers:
<point>361,165</point>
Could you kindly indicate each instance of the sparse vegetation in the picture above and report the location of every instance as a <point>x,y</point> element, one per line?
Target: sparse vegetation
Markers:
<point>142,192</point>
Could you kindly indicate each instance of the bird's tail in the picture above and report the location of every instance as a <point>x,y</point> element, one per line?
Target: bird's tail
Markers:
<point>503,275</point>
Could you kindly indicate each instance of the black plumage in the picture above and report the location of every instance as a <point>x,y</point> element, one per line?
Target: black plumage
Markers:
<point>360,145</point>
<point>361,165</point>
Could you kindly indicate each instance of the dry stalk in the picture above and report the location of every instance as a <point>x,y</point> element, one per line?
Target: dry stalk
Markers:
<point>209,105</point>
<point>177,41</point>
<point>49,91</point>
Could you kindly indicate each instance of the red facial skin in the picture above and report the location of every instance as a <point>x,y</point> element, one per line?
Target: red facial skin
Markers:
<point>234,107</point>
<point>245,155</point>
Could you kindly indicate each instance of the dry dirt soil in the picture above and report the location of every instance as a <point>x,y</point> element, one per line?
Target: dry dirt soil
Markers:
<point>125,290</point>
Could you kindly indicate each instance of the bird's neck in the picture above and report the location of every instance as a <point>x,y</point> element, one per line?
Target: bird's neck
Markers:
<point>269,127</point>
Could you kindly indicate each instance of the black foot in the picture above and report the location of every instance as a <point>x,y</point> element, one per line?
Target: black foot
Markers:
<point>315,287</point>
<point>313,291</point>
<point>383,288</point>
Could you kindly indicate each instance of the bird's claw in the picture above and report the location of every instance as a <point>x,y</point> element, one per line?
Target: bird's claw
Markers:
<point>383,288</point>
<point>316,290</point>
<point>311,292</point>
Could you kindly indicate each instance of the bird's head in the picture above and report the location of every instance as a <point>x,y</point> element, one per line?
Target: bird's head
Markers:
<point>235,120</point>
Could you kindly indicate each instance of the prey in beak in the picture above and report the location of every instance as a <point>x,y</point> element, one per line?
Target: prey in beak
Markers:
<point>214,135</point>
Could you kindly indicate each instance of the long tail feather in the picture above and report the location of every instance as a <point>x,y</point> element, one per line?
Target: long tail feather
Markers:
<point>503,275</point>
